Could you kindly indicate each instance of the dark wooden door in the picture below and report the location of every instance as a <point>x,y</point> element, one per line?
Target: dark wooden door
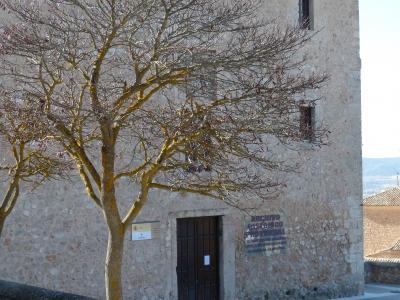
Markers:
<point>197,269</point>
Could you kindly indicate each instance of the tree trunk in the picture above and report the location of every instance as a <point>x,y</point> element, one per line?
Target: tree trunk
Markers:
<point>113,265</point>
<point>109,203</point>
<point>2,220</point>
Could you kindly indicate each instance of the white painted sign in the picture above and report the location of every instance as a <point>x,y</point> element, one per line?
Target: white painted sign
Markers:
<point>141,232</point>
<point>206,260</point>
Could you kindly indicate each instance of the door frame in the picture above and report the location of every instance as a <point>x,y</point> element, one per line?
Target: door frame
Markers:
<point>206,233</point>
<point>227,246</point>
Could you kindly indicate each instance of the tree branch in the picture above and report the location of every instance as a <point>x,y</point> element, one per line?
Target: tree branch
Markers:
<point>203,192</point>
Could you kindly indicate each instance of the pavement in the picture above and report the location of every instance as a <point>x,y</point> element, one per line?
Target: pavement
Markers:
<point>378,292</point>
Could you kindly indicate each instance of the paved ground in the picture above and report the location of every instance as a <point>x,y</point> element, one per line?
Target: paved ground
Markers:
<point>379,292</point>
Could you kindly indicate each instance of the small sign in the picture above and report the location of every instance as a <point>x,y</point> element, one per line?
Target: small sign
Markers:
<point>265,235</point>
<point>141,231</point>
<point>145,231</point>
<point>206,260</point>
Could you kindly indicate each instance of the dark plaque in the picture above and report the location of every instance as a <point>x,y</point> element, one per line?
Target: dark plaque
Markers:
<point>265,235</point>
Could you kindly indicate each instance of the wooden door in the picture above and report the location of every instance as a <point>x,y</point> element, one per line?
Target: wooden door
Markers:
<point>198,261</point>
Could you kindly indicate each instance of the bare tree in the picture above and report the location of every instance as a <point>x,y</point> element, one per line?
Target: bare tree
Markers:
<point>25,156</point>
<point>178,95</point>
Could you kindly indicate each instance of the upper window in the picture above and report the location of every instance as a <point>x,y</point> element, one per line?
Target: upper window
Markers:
<point>306,14</point>
<point>307,117</point>
<point>201,88</point>
<point>201,85</point>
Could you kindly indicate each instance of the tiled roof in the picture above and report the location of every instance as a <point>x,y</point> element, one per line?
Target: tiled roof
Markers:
<point>382,260</point>
<point>396,246</point>
<point>386,255</point>
<point>392,254</point>
<point>389,197</point>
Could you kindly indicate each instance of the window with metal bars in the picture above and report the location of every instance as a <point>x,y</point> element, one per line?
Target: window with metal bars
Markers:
<point>307,117</point>
<point>201,88</point>
<point>306,14</point>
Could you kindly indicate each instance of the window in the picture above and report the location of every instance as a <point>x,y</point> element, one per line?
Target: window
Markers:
<point>201,89</point>
<point>198,153</point>
<point>196,159</point>
<point>307,117</point>
<point>306,14</point>
<point>201,84</point>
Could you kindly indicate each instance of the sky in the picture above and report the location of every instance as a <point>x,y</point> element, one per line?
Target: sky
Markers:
<point>380,55</point>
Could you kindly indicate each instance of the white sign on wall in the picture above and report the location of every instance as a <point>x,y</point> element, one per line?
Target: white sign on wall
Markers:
<point>206,260</point>
<point>145,231</point>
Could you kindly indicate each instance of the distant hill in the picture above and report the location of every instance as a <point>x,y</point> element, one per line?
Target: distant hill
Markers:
<point>379,174</point>
<point>381,166</point>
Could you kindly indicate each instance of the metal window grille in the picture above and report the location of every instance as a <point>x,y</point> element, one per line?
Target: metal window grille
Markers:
<point>307,116</point>
<point>305,14</point>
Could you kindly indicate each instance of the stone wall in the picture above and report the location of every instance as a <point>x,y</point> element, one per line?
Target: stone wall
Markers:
<point>382,272</point>
<point>381,228</point>
<point>56,238</point>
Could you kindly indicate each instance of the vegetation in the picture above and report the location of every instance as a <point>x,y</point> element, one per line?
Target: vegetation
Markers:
<point>25,155</point>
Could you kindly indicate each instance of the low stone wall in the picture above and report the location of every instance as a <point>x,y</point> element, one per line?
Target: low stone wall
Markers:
<point>382,272</point>
<point>17,291</point>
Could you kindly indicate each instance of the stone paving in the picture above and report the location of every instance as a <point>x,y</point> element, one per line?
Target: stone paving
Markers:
<point>378,292</point>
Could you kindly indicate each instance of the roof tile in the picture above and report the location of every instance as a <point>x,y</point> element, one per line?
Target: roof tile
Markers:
<point>390,254</point>
<point>389,197</point>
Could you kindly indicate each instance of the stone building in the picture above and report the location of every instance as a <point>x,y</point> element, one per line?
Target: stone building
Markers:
<point>382,236</point>
<point>311,244</point>
<point>382,225</point>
